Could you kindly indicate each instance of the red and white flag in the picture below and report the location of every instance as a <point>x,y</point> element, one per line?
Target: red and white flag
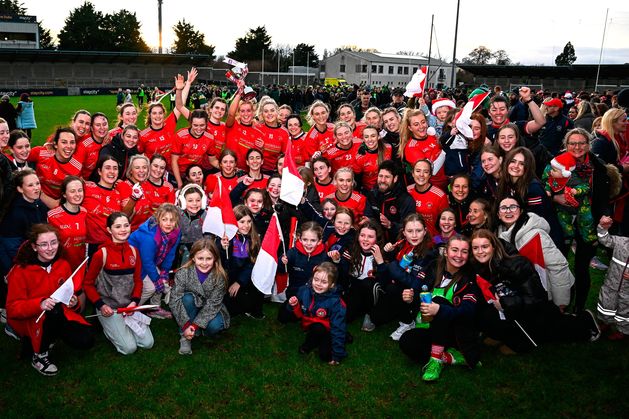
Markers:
<point>263,274</point>
<point>534,252</point>
<point>415,88</point>
<point>292,184</point>
<point>220,219</point>
<point>463,119</point>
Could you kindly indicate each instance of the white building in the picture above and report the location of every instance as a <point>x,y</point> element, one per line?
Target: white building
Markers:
<point>19,32</point>
<point>380,69</point>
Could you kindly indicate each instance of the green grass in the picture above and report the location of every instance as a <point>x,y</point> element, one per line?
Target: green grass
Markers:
<point>54,111</point>
<point>254,370</point>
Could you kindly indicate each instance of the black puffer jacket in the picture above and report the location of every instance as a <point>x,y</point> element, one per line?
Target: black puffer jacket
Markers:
<point>517,284</point>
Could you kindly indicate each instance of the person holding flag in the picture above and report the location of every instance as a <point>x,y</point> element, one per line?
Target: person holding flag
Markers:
<point>518,313</point>
<point>113,281</point>
<point>34,316</point>
<point>238,255</point>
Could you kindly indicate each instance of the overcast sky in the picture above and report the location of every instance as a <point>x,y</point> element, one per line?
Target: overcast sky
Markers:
<point>532,32</point>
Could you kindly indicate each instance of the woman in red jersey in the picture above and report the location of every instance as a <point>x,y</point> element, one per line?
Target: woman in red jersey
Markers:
<point>343,152</point>
<point>241,135</point>
<point>54,162</point>
<point>127,115</point>
<point>347,114</point>
<point>228,174</point>
<point>370,154</point>
<point>416,143</point>
<point>156,190</point>
<point>274,135</point>
<point>345,196</point>
<point>429,199</point>
<point>322,170</point>
<point>321,135</point>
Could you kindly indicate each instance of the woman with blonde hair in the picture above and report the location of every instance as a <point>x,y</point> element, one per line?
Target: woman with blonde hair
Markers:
<point>321,135</point>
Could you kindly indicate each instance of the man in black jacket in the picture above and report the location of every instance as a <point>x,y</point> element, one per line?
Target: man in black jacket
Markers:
<point>389,201</point>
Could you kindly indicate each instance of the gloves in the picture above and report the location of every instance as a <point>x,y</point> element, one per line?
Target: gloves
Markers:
<point>159,285</point>
<point>137,192</point>
<point>570,199</point>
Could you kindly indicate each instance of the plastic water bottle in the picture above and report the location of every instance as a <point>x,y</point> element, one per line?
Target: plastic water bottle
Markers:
<point>425,297</point>
<point>406,260</point>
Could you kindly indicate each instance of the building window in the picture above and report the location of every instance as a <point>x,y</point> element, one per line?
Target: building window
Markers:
<point>399,70</point>
<point>364,69</point>
<point>373,68</point>
<point>390,69</point>
<point>405,70</point>
<point>380,69</point>
<point>342,68</point>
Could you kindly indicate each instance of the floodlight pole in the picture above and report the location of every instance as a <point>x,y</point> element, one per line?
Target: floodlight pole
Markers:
<point>456,33</point>
<point>159,23</point>
<point>600,56</point>
<point>432,21</point>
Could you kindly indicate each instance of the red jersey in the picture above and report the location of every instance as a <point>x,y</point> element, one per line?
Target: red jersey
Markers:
<point>341,157</point>
<point>228,182</point>
<point>143,208</point>
<point>275,141</point>
<point>121,260</point>
<point>356,202</point>
<point>87,152</point>
<point>72,228</point>
<point>367,164</point>
<point>191,150</point>
<point>218,133</point>
<point>115,131</point>
<point>429,204</point>
<point>317,140</point>
<point>52,172</point>
<point>358,130</point>
<point>240,138</point>
<point>324,190</point>
<point>158,194</point>
<point>429,149</point>
<point>99,202</point>
<point>298,149</point>
<point>260,183</point>
<point>154,141</point>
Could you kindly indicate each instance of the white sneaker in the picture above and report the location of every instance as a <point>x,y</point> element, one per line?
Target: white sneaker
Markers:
<point>368,325</point>
<point>185,346</point>
<point>43,365</point>
<point>402,329</point>
<point>3,315</point>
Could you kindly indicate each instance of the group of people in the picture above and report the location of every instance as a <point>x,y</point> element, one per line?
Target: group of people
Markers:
<point>454,237</point>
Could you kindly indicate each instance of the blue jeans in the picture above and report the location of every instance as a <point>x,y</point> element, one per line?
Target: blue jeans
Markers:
<point>214,326</point>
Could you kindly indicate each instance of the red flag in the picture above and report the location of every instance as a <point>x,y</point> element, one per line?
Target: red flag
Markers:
<point>462,120</point>
<point>220,219</point>
<point>263,274</point>
<point>292,184</point>
<point>534,252</point>
<point>485,287</point>
<point>415,88</point>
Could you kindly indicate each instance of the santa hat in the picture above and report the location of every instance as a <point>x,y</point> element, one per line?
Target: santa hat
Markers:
<point>564,162</point>
<point>437,103</point>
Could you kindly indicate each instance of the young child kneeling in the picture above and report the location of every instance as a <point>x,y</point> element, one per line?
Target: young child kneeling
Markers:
<point>322,314</point>
<point>197,297</point>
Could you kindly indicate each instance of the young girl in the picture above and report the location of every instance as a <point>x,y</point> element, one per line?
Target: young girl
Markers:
<point>238,255</point>
<point>479,216</point>
<point>361,266</point>
<point>197,297</point>
<point>157,240</point>
<point>192,202</point>
<point>37,273</point>
<point>448,320</point>
<point>114,280</point>
<point>459,198</point>
<point>20,146</point>
<point>407,270</point>
<point>612,304</point>
<point>308,252</point>
<point>322,314</point>
<point>446,228</point>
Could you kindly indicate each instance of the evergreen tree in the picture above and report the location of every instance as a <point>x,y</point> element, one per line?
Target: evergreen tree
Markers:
<point>83,30</point>
<point>249,47</point>
<point>123,28</point>
<point>190,41</point>
<point>567,57</point>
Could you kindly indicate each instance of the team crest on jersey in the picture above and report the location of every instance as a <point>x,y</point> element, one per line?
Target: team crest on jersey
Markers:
<point>429,205</point>
<point>321,312</point>
<point>259,143</point>
<point>456,301</point>
<point>393,210</point>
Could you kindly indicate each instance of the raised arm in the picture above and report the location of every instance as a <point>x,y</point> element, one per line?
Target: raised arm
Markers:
<point>538,118</point>
<point>233,107</point>
<point>192,75</point>
<point>179,103</point>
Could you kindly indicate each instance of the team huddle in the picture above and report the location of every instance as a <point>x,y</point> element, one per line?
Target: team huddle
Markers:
<point>451,230</point>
